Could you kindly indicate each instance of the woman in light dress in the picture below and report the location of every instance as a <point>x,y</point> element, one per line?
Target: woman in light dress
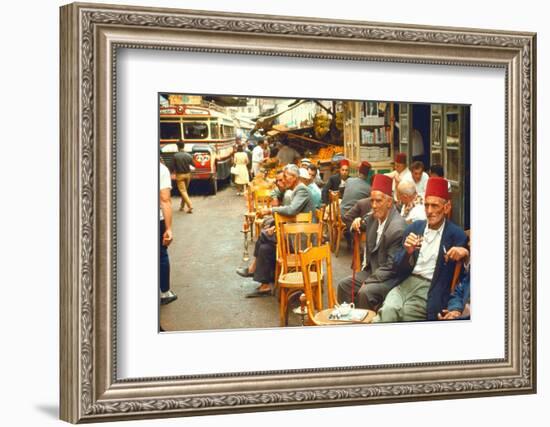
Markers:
<point>240,162</point>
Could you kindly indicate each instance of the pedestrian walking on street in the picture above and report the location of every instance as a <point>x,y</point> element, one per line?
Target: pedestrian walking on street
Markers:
<point>240,162</point>
<point>183,165</point>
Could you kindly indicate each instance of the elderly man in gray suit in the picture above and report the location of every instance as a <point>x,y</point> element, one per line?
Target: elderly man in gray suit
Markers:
<point>384,227</point>
<point>300,201</point>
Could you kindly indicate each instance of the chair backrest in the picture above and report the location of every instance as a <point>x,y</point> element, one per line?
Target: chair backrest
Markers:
<point>262,191</point>
<point>262,199</point>
<point>297,237</point>
<point>317,260</point>
<point>320,214</point>
<point>301,217</point>
<point>283,219</point>
<point>334,207</point>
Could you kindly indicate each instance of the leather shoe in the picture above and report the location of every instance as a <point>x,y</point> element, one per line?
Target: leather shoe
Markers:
<point>262,291</point>
<point>243,271</point>
<point>167,297</point>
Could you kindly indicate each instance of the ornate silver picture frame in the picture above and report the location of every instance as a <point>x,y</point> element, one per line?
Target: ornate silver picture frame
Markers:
<point>91,391</point>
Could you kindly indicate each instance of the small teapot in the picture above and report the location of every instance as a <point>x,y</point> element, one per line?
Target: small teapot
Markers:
<point>345,308</point>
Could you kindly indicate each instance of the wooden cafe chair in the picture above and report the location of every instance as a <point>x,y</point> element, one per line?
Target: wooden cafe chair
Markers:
<point>335,221</point>
<point>295,238</point>
<point>313,261</point>
<point>320,214</point>
<point>262,199</point>
<point>293,262</point>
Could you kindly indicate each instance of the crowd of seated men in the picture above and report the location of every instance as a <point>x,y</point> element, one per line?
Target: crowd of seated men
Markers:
<point>411,247</point>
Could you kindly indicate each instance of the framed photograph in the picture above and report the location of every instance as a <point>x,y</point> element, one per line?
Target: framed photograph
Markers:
<point>121,66</point>
<point>227,155</point>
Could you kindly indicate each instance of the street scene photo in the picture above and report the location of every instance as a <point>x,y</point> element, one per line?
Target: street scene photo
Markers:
<point>292,212</point>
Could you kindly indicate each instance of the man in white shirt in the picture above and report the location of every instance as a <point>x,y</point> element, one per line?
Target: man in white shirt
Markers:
<point>412,203</point>
<point>400,173</point>
<point>166,295</point>
<point>384,227</point>
<point>426,262</point>
<point>258,156</point>
<point>420,178</point>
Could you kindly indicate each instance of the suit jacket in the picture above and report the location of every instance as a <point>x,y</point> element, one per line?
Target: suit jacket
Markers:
<point>380,257</point>
<point>301,202</point>
<point>439,292</point>
<point>359,210</point>
<point>356,189</point>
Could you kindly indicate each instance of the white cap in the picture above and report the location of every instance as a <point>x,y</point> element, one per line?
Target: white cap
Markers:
<point>304,173</point>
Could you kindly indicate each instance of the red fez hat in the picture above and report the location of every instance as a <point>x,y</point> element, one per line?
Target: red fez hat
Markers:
<point>438,187</point>
<point>382,183</point>
<point>364,168</point>
<point>401,158</point>
<point>344,162</point>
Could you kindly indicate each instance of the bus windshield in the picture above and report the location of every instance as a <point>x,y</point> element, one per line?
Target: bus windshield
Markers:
<point>195,130</point>
<point>170,130</point>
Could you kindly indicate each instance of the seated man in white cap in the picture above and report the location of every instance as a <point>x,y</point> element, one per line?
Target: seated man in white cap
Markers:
<point>305,162</point>
<point>315,175</point>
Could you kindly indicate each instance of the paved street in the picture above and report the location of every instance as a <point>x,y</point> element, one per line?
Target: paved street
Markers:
<point>207,248</point>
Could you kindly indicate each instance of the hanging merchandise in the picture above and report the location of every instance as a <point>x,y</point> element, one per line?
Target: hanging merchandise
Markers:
<point>321,125</point>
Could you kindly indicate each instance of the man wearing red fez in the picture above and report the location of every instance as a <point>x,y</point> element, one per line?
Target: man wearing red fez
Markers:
<point>336,182</point>
<point>384,227</point>
<point>356,188</point>
<point>426,261</point>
